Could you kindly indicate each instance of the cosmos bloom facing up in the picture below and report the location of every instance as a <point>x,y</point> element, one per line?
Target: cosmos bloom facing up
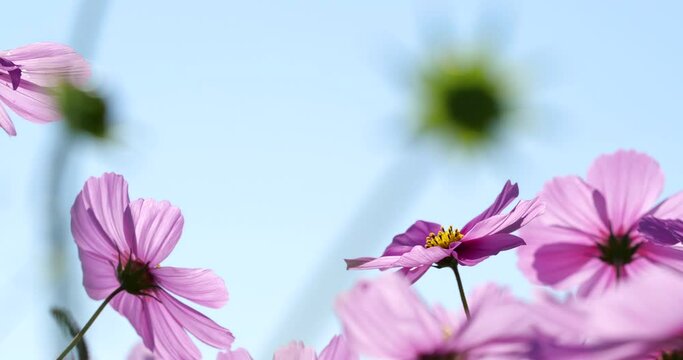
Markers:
<point>337,349</point>
<point>121,245</point>
<point>588,236</point>
<point>384,318</point>
<point>26,76</point>
<point>426,243</point>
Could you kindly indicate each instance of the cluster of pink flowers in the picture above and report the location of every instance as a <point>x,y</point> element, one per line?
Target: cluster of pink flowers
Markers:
<point>605,241</point>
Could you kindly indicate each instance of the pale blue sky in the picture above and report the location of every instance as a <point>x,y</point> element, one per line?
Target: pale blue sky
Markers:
<point>281,129</point>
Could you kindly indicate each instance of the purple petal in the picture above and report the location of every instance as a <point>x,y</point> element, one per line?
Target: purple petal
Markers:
<point>421,256</point>
<point>669,208</point>
<point>197,324</point>
<point>507,194</point>
<point>30,101</point>
<point>296,350</point>
<point>100,222</point>
<point>415,235</point>
<point>414,274</point>
<point>663,256</point>
<point>46,63</point>
<point>631,183</point>
<point>6,122</point>
<point>474,251</point>
<point>338,349</point>
<point>171,342</point>
<point>201,286</point>
<point>237,354</point>
<point>663,232</point>
<point>366,263</point>
<point>158,226</point>
<point>99,276</point>
<point>136,310</point>
<point>558,264</point>
<point>522,214</point>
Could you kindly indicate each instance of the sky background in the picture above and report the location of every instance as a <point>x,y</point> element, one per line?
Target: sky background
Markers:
<point>284,132</point>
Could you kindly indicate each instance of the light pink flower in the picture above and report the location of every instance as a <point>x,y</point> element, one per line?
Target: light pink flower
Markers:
<point>121,245</point>
<point>337,349</point>
<point>588,236</point>
<point>237,354</point>
<point>26,76</point>
<point>384,318</point>
<point>425,243</point>
<point>140,352</point>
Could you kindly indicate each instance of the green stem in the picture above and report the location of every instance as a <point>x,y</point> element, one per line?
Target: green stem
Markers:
<point>463,299</point>
<point>80,334</point>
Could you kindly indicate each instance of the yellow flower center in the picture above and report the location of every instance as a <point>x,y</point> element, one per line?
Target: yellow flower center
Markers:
<point>444,238</point>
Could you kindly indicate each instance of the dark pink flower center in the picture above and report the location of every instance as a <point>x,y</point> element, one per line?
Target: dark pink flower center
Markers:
<point>618,251</point>
<point>444,356</point>
<point>135,277</point>
<point>13,71</point>
<point>672,355</point>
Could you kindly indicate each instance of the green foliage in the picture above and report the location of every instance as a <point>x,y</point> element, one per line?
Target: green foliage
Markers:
<point>71,328</point>
<point>84,111</point>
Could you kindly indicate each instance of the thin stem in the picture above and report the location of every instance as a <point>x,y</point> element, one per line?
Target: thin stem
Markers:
<point>463,299</point>
<point>80,334</point>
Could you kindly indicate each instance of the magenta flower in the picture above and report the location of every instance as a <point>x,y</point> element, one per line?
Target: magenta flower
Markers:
<point>636,320</point>
<point>337,349</point>
<point>588,236</point>
<point>426,243</point>
<point>385,318</point>
<point>121,245</point>
<point>26,76</point>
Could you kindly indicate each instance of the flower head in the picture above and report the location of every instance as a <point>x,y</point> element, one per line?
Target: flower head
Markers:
<point>385,318</point>
<point>337,349</point>
<point>29,72</point>
<point>425,243</point>
<point>589,237</point>
<point>121,245</point>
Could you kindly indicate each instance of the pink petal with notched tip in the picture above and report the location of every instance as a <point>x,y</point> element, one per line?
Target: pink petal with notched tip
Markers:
<point>631,182</point>
<point>338,349</point>
<point>201,286</point>
<point>506,196</point>
<point>296,350</point>
<point>521,215</point>
<point>237,354</point>
<point>47,63</point>
<point>158,227</point>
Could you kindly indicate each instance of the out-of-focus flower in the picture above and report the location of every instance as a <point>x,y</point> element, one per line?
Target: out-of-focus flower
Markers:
<point>385,318</point>
<point>426,243</point>
<point>616,326</point>
<point>237,354</point>
<point>465,100</point>
<point>27,75</point>
<point>84,111</point>
<point>337,349</point>
<point>140,352</point>
<point>121,245</point>
<point>588,235</point>
<point>665,232</point>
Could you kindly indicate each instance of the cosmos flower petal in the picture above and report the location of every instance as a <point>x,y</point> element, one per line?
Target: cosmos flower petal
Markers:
<point>414,274</point>
<point>99,279</point>
<point>521,215</point>
<point>663,232</point>
<point>296,350</point>
<point>203,328</point>
<point>140,352</point>
<point>561,264</point>
<point>421,256</point>
<point>171,342</point>
<point>136,310</point>
<point>100,220</point>
<point>415,235</point>
<point>364,263</point>
<point>47,63</point>
<point>30,101</point>
<point>6,123</point>
<point>237,354</point>
<point>631,183</point>
<point>158,226</point>
<point>666,256</point>
<point>506,196</point>
<point>338,349</point>
<point>475,251</point>
<point>669,208</point>
<point>600,282</point>
<point>201,286</point>
<point>384,318</point>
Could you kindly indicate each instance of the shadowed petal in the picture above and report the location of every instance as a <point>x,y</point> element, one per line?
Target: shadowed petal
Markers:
<point>415,235</point>
<point>135,309</point>
<point>158,226</point>
<point>507,194</point>
<point>203,328</point>
<point>667,256</point>
<point>474,251</point>
<point>47,63</point>
<point>338,349</point>
<point>631,183</point>
<point>663,232</point>
<point>99,275</point>
<point>414,274</point>
<point>201,286</point>
<point>421,256</point>
<point>100,222</point>
<point>6,122</point>
<point>171,342</point>
<point>296,350</point>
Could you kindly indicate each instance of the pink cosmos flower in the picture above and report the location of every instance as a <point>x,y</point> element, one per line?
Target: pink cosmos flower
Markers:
<point>426,243</point>
<point>121,245</point>
<point>637,320</point>
<point>588,236</point>
<point>337,349</point>
<point>26,76</point>
<point>140,352</point>
<point>385,318</point>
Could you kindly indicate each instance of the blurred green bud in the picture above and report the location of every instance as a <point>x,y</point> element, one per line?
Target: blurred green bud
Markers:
<point>464,100</point>
<point>84,111</point>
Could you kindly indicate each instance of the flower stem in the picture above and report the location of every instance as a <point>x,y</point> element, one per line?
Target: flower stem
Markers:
<point>80,334</point>
<point>463,299</point>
